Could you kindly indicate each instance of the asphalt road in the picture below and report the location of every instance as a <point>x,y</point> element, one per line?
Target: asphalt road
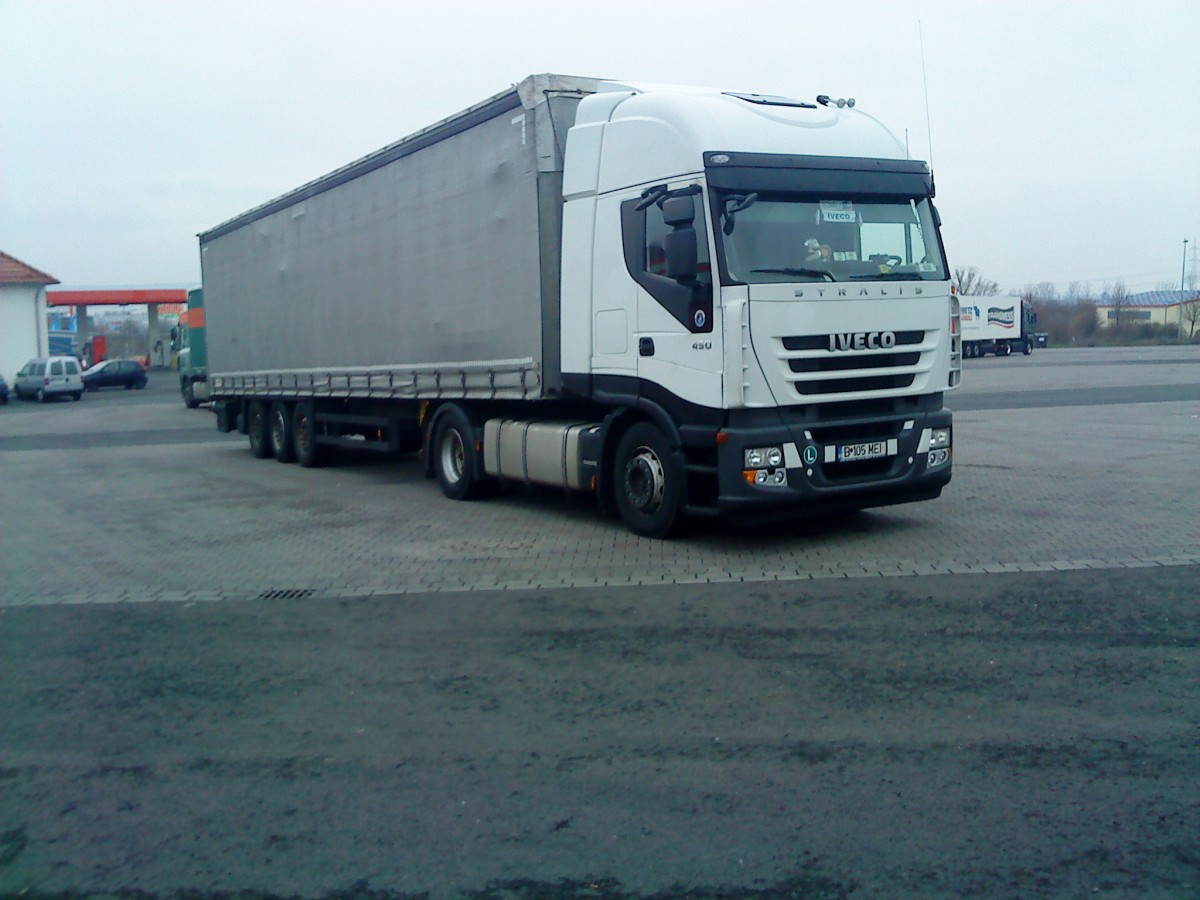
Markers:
<point>869,725</point>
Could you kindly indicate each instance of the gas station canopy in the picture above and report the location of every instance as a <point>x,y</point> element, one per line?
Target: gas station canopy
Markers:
<point>117,297</point>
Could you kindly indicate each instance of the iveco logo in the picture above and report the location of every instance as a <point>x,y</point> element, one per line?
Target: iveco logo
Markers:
<point>862,340</point>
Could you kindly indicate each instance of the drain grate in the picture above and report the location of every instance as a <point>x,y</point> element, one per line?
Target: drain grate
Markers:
<point>286,594</point>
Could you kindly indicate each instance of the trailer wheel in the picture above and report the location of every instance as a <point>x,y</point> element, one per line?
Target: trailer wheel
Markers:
<point>256,429</point>
<point>282,447</point>
<point>455,457</point>
<point>189,394</point>
<point>648,481</point>
<point>309,453</point>
<point>1028,348</point>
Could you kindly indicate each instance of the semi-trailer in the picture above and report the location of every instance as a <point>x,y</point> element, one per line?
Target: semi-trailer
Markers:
<point>684,301</point>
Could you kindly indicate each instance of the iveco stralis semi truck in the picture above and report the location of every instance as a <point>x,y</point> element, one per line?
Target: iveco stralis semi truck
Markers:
<point>996,325</point>
<point>687,302</point>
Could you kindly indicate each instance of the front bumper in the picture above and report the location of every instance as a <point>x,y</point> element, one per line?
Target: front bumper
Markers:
<point>812,480</point>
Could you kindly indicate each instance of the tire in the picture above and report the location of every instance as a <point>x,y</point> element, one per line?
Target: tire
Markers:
<point>1027,349</point>
<point>256,429</point>
<point>77,396</point>
<point>454,456</point>
<point>279,430</point>
<point>41,395</point>
<point>129,386</point>
<point>308,452</point>
<point>189,395</point>
<point>647,481</point>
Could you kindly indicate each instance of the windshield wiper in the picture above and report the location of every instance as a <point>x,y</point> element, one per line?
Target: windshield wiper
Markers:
<point>888,276</point>
<point>808,273</point>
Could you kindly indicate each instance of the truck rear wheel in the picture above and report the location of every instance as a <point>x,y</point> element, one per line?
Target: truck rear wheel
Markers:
<point>648,482</point>
<point>189,394</point>
<point>455,457</point>
<point>282,447</point>
<point>256,429</point>
<point>309,453</point>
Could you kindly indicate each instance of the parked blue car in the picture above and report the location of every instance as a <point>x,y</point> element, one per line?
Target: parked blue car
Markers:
<point>126,373</point>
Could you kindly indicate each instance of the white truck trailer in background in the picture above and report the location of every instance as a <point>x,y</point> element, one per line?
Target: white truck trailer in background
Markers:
<point>684,301</point>
<point>996,325</point>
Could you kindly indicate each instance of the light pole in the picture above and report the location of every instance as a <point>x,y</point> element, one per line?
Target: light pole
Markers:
<point>1182,281</point>
<point>1183,271</point>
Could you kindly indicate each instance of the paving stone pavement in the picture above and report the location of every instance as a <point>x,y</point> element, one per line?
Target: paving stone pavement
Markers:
<point>1034,489</point>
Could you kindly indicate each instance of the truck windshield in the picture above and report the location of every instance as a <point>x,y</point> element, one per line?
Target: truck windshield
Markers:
<point>788,238</point>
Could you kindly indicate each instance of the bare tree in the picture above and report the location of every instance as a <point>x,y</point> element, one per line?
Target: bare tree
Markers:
<point>1078,290</point>
<point>968,281</point>
<point>1191,316</point>
<point>1116,297</point>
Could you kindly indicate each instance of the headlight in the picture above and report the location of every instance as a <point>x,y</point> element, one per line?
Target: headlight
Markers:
<point>764,458</point>
<point>938,438</point>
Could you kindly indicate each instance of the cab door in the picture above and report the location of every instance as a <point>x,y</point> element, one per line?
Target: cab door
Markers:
<point>678,329</point>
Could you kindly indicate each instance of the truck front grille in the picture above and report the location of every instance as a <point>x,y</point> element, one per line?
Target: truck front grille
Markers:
<point>814,370</point>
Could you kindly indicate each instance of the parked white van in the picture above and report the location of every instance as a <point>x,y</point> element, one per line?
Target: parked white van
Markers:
<point>47,377</point>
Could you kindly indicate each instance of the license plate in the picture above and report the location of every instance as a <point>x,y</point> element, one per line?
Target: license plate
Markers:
<point>871,450</point>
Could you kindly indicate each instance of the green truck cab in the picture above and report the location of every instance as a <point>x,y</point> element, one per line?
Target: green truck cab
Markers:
<point>193,356</point>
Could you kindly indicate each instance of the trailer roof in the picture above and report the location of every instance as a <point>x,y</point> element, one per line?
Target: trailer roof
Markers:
<point>526,94</point>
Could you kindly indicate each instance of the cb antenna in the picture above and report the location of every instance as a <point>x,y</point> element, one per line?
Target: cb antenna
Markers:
<point>925,83</point>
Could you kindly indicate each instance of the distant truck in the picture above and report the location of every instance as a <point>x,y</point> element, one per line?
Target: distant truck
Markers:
<point>682,301</point>
<point>191,346</point>
<point>998,325</point>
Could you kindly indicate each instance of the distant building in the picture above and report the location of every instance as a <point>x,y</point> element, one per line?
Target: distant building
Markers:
<point>1149,308</point>
<point>23,332</point>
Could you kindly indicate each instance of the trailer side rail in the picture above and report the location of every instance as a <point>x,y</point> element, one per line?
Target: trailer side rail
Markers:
<point>507,379</point>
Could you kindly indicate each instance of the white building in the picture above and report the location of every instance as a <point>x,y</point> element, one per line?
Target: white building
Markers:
<point>23,333</point>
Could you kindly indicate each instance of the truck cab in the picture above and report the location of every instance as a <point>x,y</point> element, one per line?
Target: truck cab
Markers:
<point>777,303</point>
<point>192,351</point>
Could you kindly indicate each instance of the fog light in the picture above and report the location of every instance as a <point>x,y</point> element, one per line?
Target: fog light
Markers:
<point>938,458</point>
<point>765,477</point>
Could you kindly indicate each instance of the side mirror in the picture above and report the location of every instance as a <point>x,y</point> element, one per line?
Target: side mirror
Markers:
<point>679,211</point>
<point>682,252</point>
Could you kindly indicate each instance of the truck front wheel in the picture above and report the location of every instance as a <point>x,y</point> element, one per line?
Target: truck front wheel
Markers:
<point>455,457</point>
<point>648,481</point>
<point>189,394</point>
<point>256,429</point>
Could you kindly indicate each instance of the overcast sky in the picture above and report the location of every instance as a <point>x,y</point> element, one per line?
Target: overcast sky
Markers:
<point>1065,137</point>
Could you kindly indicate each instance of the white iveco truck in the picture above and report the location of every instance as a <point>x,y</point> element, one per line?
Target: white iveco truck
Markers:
<point>687,302</point>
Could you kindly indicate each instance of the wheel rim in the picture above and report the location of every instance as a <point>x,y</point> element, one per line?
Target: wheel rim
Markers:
<point>645,480</point>
<point>453,456</point>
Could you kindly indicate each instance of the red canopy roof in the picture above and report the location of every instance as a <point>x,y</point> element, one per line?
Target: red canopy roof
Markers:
<point>117,297</point>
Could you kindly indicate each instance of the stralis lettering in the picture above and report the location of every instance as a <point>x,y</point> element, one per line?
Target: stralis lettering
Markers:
<point>864,293</point>
<point>862,340</point>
